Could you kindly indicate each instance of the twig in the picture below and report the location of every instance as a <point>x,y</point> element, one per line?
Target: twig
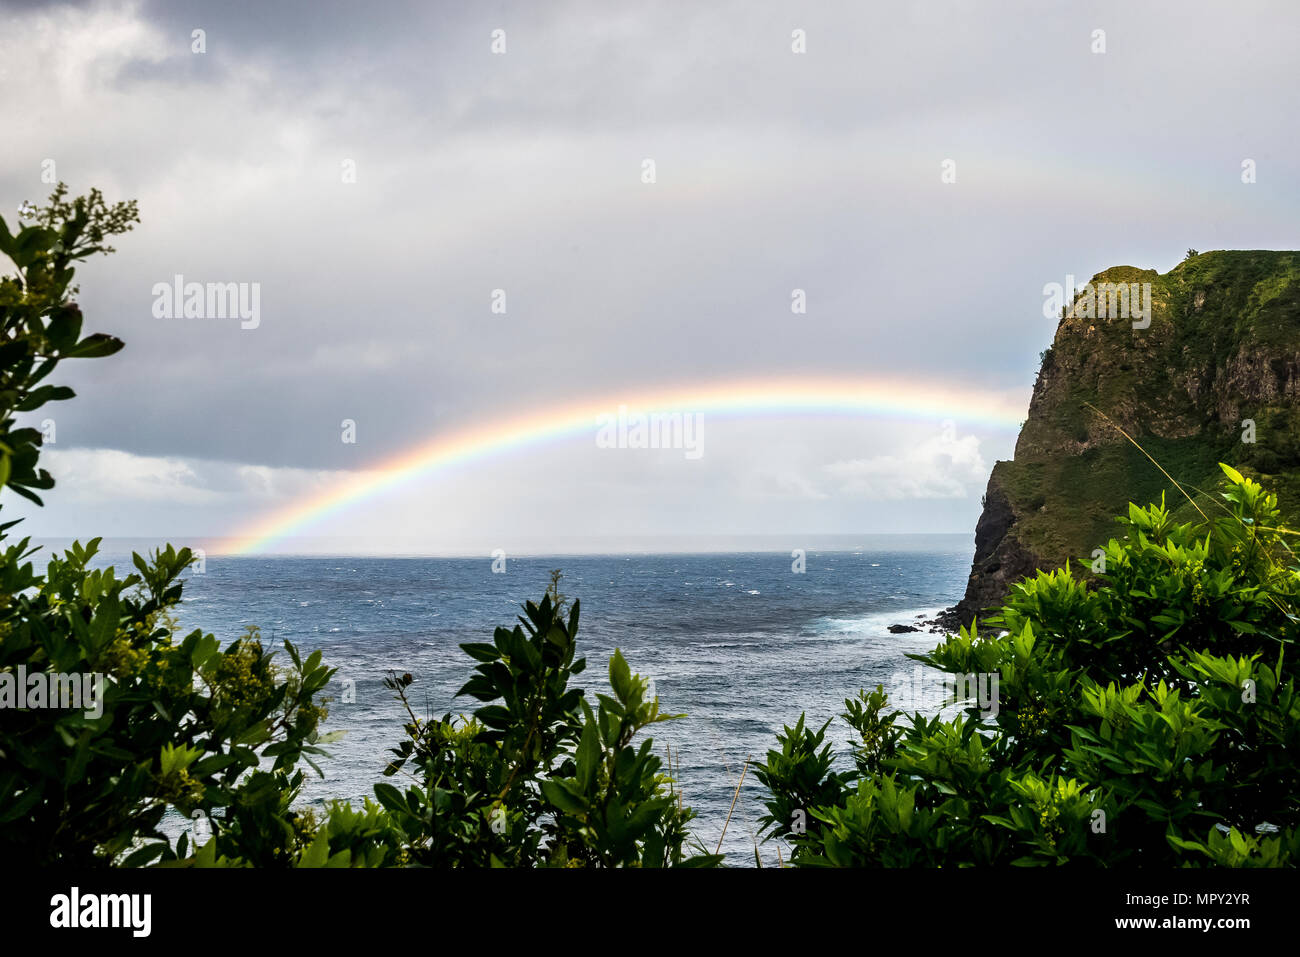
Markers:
<point>733,805</point>
<point>1116,427</point>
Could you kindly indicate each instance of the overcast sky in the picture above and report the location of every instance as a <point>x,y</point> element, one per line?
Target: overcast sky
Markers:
<point>523,171</point>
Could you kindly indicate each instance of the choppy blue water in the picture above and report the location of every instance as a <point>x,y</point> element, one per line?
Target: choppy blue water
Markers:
<point>738,642</point>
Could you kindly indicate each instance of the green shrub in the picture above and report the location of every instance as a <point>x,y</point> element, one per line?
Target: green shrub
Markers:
<point>1150,720</point>
<point>535,777</point>
<point>177,723</point>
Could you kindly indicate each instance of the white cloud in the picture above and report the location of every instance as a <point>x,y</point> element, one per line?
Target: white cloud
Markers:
<point>781,484</point>
<point>940,466</point>
<point>91,476</point>
<point>267,482</point>
<point>521,172</point>
<point>81,50</point>
<point>110,475</point>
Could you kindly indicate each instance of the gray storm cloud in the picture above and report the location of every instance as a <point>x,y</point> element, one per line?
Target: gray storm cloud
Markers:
<point>379,173</point>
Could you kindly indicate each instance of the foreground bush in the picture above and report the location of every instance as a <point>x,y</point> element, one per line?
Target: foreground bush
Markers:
<point>1150,720</point>
<point>155,721</point>
<point>536,777</point>
<point>158,720</point>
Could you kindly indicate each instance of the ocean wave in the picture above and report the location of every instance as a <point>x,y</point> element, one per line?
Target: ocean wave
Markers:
<point>874,625</point>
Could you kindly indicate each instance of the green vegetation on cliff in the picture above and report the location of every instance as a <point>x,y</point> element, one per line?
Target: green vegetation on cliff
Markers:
<point>1214,378</point>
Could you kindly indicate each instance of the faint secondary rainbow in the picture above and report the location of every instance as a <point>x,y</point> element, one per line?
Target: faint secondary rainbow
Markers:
<point>895,399</point>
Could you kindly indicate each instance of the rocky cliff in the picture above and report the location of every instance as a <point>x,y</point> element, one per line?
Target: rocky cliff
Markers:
<point>1214,377</point>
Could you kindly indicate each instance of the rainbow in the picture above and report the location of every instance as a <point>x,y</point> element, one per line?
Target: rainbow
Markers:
<point>884,398</point>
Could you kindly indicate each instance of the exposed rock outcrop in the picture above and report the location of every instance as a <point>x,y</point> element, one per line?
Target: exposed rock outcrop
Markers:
<point>1001,559</point>
<point>1217,367</point>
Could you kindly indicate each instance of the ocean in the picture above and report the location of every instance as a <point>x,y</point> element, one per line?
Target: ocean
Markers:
<point>739,642</point>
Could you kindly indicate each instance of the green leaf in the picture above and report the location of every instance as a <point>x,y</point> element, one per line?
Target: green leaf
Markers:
<point>144,856</point>
<point>589,752</point>
<point>1232,473</point>
<point>390,798</point>
<point>620,677</point>
<point>317,855</point>
<point>558,795</point>
<point>94,346</point>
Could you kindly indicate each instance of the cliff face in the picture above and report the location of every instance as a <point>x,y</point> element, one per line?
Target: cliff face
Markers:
<point>1222,351</point>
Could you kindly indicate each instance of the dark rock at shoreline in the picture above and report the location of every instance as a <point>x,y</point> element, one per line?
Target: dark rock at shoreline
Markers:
<point>901,629</point>
<point>1001,558</point>
<point>945,622</point>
